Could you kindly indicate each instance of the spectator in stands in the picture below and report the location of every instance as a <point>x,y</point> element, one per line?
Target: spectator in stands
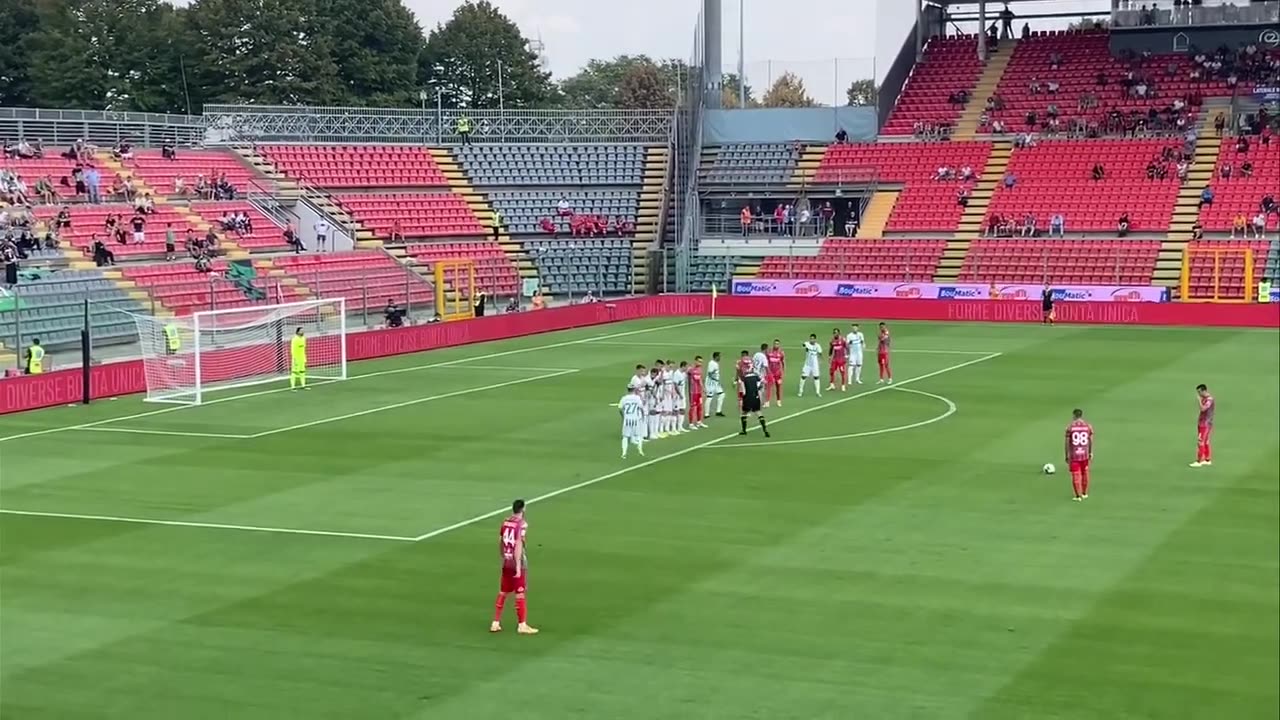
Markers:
<point>203,262</point>
<point>292,240</point>
<point>997,127</point>
<point>170,243</point>
<point>1035,86</point>
<point>51,238</point>
<point>1057,225</point>
<point>1246,169</point>
<point>562,208</point>
<point>1029,225</point>
<point>397,233</point>
<point>993,225</point>
<point>180,186</point>
<point>393,315</point>
<point>123,150</point>
<point>139,223</point>
<point>1053,86</point>
<point>1206,196</point>
<point>1197,231</point>
<point>1099,172</point>
<point>63,219</point>
<point>826,219</point>
<point>223,189</point>
<point>966,173</point>
<point>1268,205</point>
<point>513,305</point>
<point>321,229</point>
<point>1122,225</point>
<point>1182,169</point>
<point>850,225</point>
<point>780,218</point>
<point>202,188</point>
<point>1055,60</point>
<point>842,137</point>
<point>1259,225</point>
<point>1006,23</point>
<point>101,255</point>
<point>45,191</point>
<point>1100,79</point>
<point>144,204</point>
<point>548,227</point>
<point>1010,180</point>
<point>944,173</point>
<point>962,196</point>
<point>744,218</point>
<point>168,151</point>
<point>496,225</point>
<point>1239,224</point>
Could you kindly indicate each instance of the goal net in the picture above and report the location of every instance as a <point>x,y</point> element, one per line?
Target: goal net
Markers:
<point>1217,274</point>
<point>186,358</point>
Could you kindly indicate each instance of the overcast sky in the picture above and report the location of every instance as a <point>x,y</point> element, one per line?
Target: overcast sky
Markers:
<point>829,43</point>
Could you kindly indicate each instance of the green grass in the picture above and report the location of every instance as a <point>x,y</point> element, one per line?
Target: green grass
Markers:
<point>924,573</point>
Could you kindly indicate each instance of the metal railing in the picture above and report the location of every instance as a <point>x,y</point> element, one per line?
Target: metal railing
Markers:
<point>277,123</point>
<point>912,267</point>
<point>1210,12</point>
<point>63,127</point>
<point>768,226</point>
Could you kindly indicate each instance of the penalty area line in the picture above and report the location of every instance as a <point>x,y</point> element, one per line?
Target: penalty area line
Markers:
<point>702,445</point>
<point>913,351</point>
<point>205,525</point>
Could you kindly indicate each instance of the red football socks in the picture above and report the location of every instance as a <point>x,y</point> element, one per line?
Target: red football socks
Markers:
<point>1084,482</point>
<point>1203,452</point>
<point>497,607</point>
<point>1077,483</point>
<point>522,611</point>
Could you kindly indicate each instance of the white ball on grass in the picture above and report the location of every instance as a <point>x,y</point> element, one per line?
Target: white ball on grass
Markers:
<point>1049,469</point>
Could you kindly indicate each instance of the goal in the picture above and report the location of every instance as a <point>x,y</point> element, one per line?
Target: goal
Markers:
<point>455,285</point>
<point>187,358</point>
<point>1217,274</point>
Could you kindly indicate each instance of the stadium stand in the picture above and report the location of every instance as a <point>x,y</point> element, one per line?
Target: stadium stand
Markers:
<point>417,215</point>
<point>708,270</point>
<point>58,170</point>
<point>160,173</point>
<point>576,266</point>
<point>523,210</point>
<point>180,288</point>
<point>751,163</point>
<point>367,279</point>
<point>53,310</point>
<point>351,166</point>
<point>846,259</point>
<point>88,221</point>
<point>560,164</point>
<point>1239,195</point>
<point>1074,262</point>
<point>1054,177</point>
<point>496,274</point>
<point>925,203</point>
<point>949,65</point>
<point>266,235</point>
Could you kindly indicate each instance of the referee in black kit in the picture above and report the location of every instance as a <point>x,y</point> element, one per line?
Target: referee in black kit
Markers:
<point>751,400</point>
<point>1046,305</point>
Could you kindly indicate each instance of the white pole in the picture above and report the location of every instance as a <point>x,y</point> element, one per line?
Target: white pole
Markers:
<point>342,334</point>
<point>195,355</point>
<point>500,100</point>
<point>742,53</point>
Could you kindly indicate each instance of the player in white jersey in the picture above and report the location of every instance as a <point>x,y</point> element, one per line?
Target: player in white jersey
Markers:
<point>652,405</point>
<point>639,380</point>
<point>667,398</point>
<point>680,379</point>
<point>715,387</point>
<point>856,345</point>
<point>812,356</point>
<point>631,408</point>
<point>760,361</point>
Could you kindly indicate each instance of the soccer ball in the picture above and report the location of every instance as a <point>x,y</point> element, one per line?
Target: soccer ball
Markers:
<point>1049,469</point>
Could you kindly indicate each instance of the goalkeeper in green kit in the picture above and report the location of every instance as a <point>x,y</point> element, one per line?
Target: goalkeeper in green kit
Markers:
<point>298,356</point>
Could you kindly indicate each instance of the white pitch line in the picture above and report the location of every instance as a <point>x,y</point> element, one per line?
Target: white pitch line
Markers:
<point>139,431</point>
<point>379,373</point>
<point>699,446</point>
<point>408,403</point>
<point>510,368</point>
<point>951,410</point>
<point>703,345</point>
<point>208,525</point>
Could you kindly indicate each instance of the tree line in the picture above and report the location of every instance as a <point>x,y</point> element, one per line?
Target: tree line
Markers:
<point>152,56</point>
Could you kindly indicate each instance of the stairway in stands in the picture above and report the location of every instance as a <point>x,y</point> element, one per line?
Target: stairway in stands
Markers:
<point>807,166</point>
<point>876,215</point>
<point>648,210</point>
<point>1186,211</point>
<point>291,190</point>
<point>970,227</point>
<point>966,127</point>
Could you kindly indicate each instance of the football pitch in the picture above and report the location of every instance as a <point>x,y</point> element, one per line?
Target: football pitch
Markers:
<point>892,552</point>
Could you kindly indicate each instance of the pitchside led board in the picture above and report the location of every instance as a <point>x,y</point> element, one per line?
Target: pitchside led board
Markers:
<point>936,291</point>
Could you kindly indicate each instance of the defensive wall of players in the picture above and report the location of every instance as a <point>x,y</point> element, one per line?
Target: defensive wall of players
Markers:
<point>62,387</point>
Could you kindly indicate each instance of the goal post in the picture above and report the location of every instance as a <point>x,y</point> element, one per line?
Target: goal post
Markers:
<point>1217,275</point>
<point>455,282</point>
<point>185,359</point>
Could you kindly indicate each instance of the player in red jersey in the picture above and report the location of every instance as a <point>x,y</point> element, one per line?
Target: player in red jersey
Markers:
<point>773,381</point>
<point>744,367</point>
<point>697,412</point>
<point>882,354</point>
<point>1204,428</point>
<point>839,352</point>
<point>1078,452</point>
<point>515,565</point>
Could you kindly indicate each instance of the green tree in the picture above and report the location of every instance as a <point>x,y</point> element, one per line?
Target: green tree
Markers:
<point>465,57</point>
<point>730,89</point>
<point>788,91</point>
<point>643,88</point>
<point>377,44</point>
<point>18,25</point>
<point>862,92</point>
<point>263,52</point>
